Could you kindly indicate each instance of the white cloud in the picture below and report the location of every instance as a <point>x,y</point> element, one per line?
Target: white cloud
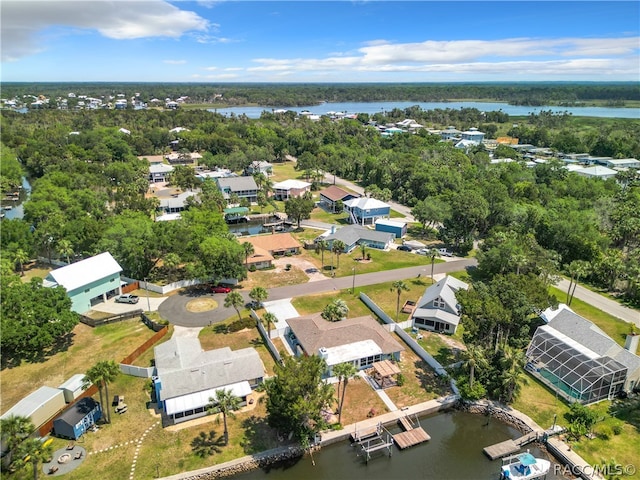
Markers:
<point>22,21</point>
<point>175,62</point>
<point>591,58</point>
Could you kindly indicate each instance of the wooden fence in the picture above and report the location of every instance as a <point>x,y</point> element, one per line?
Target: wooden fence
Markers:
<point>92,322</point>
<point>130,287</point>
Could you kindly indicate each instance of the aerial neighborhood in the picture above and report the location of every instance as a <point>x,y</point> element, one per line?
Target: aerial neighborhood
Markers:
<point>186,291</point>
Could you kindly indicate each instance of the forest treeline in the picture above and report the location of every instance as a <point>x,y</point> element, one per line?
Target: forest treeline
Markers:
<point>89,189</point>
<point>274,95</point>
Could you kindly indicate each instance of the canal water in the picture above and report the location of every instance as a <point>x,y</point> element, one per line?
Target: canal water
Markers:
<point>15,207</point>
<point>453,453</point>
<point>256,228</point>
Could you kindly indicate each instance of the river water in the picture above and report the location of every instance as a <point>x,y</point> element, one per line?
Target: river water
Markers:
<point>17,206</point>
<point>377,107</point>
<point>453,453</point>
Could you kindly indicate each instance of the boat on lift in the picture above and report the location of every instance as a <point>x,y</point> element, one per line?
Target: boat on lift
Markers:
<point>524,466</point>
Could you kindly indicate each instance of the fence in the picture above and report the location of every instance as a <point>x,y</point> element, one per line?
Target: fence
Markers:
<point>170,287</point>
<point>406,338</point>
<point>135,371</point>
<point>145,346</point>
<point>130,287</point>
<point>265,336</point>
<point>92,322</point>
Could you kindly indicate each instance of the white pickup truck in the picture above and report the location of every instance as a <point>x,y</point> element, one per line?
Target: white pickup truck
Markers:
<point>444,252</point>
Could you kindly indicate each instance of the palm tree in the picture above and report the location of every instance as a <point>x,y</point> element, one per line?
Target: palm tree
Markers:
<point>338,247</point>
<point>270,319</point>
<point>474,357</point>
<point>14,429</point>
<point>578,269</point>
<point>433,253</point>
<point>171,262</point>
<point>65,248</point>
<point>321,246</point>
<point>398,286</point>
<point>248,251</point>
<point>34,450</point>
<point>235,300</point>
<point>363,249</point>
<point>20,257</point>
<point>102,374</point>
<point>225,402</point>
<point>511,381</point>
<point>258,295</point>
<point>335,311</point>
<point>344,371</point>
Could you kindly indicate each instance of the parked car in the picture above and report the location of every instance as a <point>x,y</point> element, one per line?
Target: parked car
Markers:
<point>444,252</point>
<point>220,289</point>
<point>404,248</point>
<point>127,298</point>
<point>423,251</point>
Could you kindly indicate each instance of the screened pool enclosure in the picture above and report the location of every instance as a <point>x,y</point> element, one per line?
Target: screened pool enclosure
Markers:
<point>570,369</point>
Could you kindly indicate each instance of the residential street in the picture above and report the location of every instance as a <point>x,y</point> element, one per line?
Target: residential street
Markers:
<point>602,303</point>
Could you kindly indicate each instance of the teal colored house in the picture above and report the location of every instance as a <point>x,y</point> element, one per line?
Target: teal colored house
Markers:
<point>88,281</point>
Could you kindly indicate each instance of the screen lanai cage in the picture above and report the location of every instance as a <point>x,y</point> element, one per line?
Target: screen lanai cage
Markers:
<point>572,370</point>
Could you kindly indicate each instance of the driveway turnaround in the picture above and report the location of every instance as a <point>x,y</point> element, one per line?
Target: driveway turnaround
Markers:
<point>174,308</point>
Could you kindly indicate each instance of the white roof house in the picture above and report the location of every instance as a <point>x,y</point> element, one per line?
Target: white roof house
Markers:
<point>623,163</point>
<point>291,184</point>
<point>87,280</point>
<point>365,203</point>
<point>188,376</point>
<point>597,171</point>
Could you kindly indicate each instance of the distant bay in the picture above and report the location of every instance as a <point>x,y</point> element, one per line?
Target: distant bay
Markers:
<point>378,107</point>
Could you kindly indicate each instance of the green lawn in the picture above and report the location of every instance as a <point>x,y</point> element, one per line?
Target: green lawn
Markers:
<point>612,326</point>
<point>285,171</point>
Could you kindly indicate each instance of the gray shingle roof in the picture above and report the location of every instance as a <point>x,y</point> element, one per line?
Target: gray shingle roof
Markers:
<point>445,289</point>
<point>183,367</point>
<point>237,184</point>
<point>354,233</point>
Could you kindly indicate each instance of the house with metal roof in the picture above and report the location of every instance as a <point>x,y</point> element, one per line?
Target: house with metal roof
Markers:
<point>437,310</point>
<point>366,210</point>
<point>354,235</point>
<point>290,188</point>
<point>597,171</point>
<point>159,172</point>
<point>188,376</point>
<point>580,362</point>
<point>88,281</point>
<point>244,187</point>
<point>259,166</point>
<point>361,341</point>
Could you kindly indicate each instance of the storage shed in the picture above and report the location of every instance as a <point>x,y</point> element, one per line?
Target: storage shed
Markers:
<point>77,419</point>
<point>39,406</point>
<point>399,229</point>
<point>72,388</point>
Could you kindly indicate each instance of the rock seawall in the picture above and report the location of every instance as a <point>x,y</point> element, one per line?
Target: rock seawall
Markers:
<point>504,413</point>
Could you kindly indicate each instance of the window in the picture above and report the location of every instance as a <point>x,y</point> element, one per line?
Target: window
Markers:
<point>439,303</point>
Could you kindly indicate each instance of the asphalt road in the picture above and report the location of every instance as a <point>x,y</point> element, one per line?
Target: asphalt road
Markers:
<point>174,308</point>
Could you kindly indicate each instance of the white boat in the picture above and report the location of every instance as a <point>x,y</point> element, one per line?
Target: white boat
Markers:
<point>524,466</point>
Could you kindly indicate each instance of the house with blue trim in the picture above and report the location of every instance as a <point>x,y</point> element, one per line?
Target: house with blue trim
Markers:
<point>354,235</point>
<point>77,419</point>
<point>365,210</point>
<point>88,281</point>
<point>398,228</point>
<point>244,187</point>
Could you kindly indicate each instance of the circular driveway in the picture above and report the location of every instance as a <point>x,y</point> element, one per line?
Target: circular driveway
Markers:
<point>174,308</point>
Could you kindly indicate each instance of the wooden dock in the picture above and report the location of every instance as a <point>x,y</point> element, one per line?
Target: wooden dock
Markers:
<point>360,435</point>
<point>413,435</point>
<point>509,447</point>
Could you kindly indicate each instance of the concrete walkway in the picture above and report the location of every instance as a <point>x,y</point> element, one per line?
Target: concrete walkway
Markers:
<point>381,393</point>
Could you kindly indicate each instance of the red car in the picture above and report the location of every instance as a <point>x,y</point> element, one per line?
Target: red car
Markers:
<point>220,289</point>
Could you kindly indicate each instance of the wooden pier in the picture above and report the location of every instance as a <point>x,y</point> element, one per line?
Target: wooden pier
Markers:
<point>509,447</point>
<point>413,434</point>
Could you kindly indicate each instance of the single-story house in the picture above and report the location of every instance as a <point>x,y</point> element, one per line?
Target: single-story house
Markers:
<point>88,281</point>
<point>580,362</point>
<point>159,172</point>
<point>623,163</point>
<point>77,419</point>
<point>183,158</point>
<point>290,189</point>
<point>450,133</point>
<point>437,310</point>
<point>398,228</point>
<point>361,341</point>
<point>263,167</point>
<point>244,187</point>
<point>365,210</point>
<point>331,195</point>
<point>259,259</point>
<point>275,244</point>
<point>39,406</point>
<point>188,376</point>
<point>175,203</point>
<point>354,235</point>
<point>217,173</point>
<point>597,171</point>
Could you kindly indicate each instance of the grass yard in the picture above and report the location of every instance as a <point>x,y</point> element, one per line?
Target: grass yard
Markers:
<point>86,347</point>
<point>359,400</point>
<point>541,404</point>
<point>274,278</point>
<point>321,215</point>
<point>612,326</point>
<point>246,338</point>
<point>421,382</point>
<point>285,171</point>
<point>441,347</point>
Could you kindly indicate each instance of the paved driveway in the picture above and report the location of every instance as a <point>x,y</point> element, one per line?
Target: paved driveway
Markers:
<point>147,304</point>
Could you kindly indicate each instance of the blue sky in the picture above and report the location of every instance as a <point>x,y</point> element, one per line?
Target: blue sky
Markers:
<point>302,41</point>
